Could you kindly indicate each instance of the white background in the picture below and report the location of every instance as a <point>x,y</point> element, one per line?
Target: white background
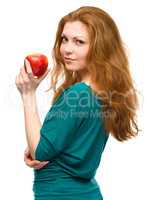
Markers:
<point>30,26</point>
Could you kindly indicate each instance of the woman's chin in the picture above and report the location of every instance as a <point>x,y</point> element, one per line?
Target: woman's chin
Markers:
<point>70,67</point>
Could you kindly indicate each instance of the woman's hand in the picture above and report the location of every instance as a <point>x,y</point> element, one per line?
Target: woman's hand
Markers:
<point>33,163</point>
<point>25,82</point>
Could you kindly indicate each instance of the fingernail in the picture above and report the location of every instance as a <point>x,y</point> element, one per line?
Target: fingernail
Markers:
<point>27,62</point>
<point>28,66</point>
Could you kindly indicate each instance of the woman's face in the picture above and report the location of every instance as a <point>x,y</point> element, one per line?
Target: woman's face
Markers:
<point>75,45</point>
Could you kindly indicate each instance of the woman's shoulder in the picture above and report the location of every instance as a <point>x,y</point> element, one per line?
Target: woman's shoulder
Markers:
<point>79,93</point>
<point>79,86</point>
<point>78,90</point>
<point>84,93</point>
<point>83,90</point>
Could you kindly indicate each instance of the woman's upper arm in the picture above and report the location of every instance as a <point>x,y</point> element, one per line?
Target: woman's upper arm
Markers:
<point>59,126</point>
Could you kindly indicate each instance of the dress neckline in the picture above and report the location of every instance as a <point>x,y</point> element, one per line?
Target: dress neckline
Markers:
<point>86,83</point>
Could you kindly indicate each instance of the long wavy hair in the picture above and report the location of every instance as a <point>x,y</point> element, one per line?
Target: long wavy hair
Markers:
<point>107,64</point>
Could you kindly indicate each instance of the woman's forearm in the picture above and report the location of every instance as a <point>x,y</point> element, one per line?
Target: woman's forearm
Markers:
<point>32,122</point>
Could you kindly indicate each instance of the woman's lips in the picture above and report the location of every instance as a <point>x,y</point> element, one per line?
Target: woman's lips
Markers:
<point>69,59</point>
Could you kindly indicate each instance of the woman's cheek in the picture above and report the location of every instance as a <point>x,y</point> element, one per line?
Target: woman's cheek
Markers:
<point>61,50</point>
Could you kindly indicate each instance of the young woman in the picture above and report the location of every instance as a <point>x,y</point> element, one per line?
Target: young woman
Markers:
<point>94,96</point>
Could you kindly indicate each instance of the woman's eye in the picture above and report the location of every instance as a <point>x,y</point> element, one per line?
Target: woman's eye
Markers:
<point>79,42</point>
<point>64,39</point>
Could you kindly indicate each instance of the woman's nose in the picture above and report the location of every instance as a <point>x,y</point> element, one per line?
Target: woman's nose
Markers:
<point>69,48</point>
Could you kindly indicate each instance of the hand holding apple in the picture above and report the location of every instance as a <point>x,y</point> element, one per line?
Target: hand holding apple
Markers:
<point>26,81</point>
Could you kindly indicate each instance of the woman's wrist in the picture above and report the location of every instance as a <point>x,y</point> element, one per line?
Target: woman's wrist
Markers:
<point>29,100</point>
<point>29,95</point>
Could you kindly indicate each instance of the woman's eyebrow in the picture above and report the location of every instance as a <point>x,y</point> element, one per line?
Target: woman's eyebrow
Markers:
<point>77,36</point>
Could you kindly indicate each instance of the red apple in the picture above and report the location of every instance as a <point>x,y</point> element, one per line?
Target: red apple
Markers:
<point>38,62</point>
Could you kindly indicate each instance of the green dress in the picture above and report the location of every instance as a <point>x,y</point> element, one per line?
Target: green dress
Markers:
<point>72,140</point>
